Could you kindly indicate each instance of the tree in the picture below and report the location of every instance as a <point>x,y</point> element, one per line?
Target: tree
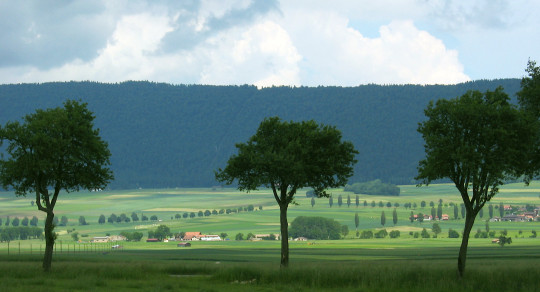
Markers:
<point>357,201</point>
<point>312,202</point>
<point>439,211</point>
<point>82,221</point>
<point>365,203</point>
<point>344,230</point>
<point>144,218</point>
<point>154,218</point>
<point>501,210</point>
<point>436,228</point>
<point>33,221</point>
<point>24,221</point>
<point>75,236</point>
<point>504,240</point>
<point>63,221</point>
<point>394,217</point>
<point>192,215</point>
<point>411,217</point>
<point>456,212</point>
<point>239,236</point>
<point>287,156</point>
<point>315,228</point>
<point>490,209</point>
<point>424,233</point>
<point>462,210</point>
<point>356,220</point>
<point>135,218</point>
<point>481,213</point>
<point>433,213</point>
<point>53,150</point>
<point>477,141</point>
<point>348,200</point>
<point>200,214</point>
<point>339,201</point>
<point>15,222</point>
<point>383,218</point>
<point>223,235</point>
<point>207,213</point>
<point>423,204</point>
<point>162,232</point>
<point>101,219</point>
<point>452,233</point>
<point>112,218</point>
<point>529,95</point>
<point>330,201</point>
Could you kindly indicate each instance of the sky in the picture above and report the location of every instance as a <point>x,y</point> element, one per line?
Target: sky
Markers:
<point>268,42</point>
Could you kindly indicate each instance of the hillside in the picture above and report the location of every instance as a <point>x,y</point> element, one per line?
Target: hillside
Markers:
<point>163,135</point>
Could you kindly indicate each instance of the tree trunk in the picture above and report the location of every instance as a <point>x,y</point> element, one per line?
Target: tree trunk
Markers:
<point>462,258</point>
<point>49,241</point>
<point>284,235</point>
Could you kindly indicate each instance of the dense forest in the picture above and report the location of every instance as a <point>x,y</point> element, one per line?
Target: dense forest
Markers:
<point>164,135</point>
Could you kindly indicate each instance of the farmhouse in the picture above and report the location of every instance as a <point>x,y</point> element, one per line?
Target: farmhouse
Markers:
<point>210,238</point>
<point>100,239</point>
<point>192,236</point>
<point>513,218</point>
<point>427,217</point>
<point>117,238</point>
<point>444,216</point>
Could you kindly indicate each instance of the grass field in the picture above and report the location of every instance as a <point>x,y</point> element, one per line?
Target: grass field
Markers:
<point>402,264</point>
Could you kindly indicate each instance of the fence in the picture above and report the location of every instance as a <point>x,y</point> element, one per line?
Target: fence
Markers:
<point>24,248</point>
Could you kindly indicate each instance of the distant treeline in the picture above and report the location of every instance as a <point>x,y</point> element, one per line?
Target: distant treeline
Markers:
<point>375,187</point>
<point>163,135</point>
<point>20,233</point>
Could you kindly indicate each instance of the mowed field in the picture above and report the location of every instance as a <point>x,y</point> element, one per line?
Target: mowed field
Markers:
<point>402,264</point>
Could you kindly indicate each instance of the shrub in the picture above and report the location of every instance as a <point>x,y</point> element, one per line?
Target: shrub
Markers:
<point>366,234</point>
<point>381,233</point>
<point>394,234</point>
<point>453,234</point>
<point>425,234</point>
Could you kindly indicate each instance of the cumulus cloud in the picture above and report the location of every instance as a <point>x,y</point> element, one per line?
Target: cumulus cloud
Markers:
<point>261,42</point>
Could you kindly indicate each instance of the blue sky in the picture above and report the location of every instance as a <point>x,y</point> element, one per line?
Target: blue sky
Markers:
<point>268,42</point>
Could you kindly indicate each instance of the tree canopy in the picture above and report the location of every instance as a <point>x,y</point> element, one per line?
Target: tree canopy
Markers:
<point>315,228</point>
<point>53,150</point>
<point>477,140</point>
<point>287,156</point>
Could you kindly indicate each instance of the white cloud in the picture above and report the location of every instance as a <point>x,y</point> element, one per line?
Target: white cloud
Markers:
<point>262,55</point>
<point>264,42</point>
<point>336,54</point>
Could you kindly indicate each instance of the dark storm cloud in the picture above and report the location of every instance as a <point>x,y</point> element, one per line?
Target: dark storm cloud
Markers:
<point>184,37</point>
<point>47,33</point>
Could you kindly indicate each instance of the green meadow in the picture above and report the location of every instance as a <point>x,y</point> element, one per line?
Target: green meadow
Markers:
<point>400,264</point>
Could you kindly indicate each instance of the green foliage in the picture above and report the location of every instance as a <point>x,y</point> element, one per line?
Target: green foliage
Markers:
<point>315,228</point>
<point>436,228</point>
<point>394,233</point>
<point>366,234</point>
<point>75,236</point>
<point>82,221</point>
<point>133,236</point>
<point>162,232</point>
<point>425,234</point>
<point>504,240</point>
<point>452,233</point>
<point>375,187</point>
<point>239,236</point>
<point>381,233</point>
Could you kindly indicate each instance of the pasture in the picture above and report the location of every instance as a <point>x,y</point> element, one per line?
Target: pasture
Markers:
<point>389,264</point>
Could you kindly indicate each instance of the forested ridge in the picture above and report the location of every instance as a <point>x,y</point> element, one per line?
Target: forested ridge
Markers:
<point>163,135</point>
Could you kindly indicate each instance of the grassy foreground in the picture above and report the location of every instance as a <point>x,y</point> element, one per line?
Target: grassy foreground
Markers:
<point>157,270</point>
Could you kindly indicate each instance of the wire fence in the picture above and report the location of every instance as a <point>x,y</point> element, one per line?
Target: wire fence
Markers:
<point>25,248</point>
